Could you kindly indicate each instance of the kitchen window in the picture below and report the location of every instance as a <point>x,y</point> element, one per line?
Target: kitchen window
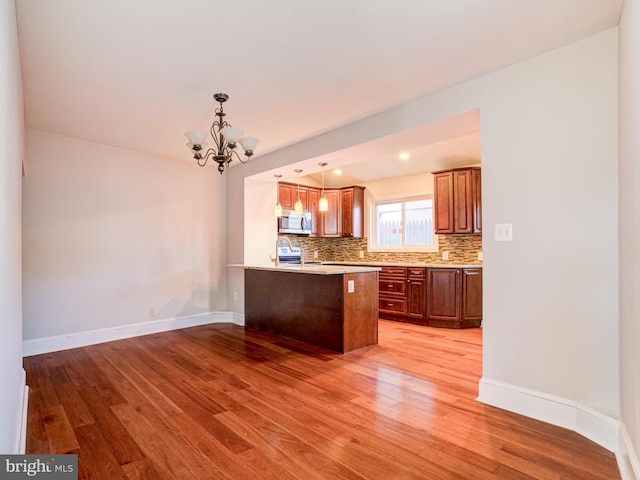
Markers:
<point>403,224</point>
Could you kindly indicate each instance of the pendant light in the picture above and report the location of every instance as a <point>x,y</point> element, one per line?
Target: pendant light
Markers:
<point>298,206</point>
<point>278,208</point>
<point>323,204</point>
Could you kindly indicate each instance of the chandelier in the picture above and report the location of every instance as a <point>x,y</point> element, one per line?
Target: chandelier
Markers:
<point>225,137</point>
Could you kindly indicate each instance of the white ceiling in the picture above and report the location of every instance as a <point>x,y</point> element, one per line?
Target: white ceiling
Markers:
<point>138,73</point>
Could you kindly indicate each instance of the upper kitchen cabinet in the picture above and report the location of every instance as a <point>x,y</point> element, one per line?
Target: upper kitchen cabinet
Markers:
<point>352,211</point>
<point>288,194</point>
<point>329,221</point>
<point>458,200</point>
<point>344,216</point>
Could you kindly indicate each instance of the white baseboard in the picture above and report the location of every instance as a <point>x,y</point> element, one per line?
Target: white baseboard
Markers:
<point>628,461</point>
<point>37,346</point>
<point>238,319</point>
<point>596,426</point>
<point>20,442</point>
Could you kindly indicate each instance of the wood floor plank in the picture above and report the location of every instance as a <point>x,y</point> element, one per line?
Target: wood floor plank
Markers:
<point>221,401</point>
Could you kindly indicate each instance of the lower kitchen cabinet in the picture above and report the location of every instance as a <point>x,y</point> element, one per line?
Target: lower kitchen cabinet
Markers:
<point>448,297</point>
<point>454,297</point>
<point>416,293</point>
<point>402,293</point>
<point>392,291</point>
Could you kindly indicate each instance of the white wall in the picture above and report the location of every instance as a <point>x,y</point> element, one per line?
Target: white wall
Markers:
<point>109,233</point>
<point>549,157</point>
<point>11,151</point>
<point>630,223</point>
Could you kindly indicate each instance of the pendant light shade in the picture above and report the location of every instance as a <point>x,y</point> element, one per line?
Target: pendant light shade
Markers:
<point>278,208</point>
<point>298,208</point>
<point>323,203</point>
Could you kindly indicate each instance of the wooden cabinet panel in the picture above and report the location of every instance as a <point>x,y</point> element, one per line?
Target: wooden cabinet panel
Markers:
<point>314,197</point>
<point>288,194</point>
<point>392,290</point>
<point>443,295</point>
<point>393,272</point>
<point>458,200</point>
<point>352,212</point>
<point>396,306</point>
<point>416,292</point>
<point>330,220</point>
<point>454,297</point>
<point>343,218</point>
<point>443,202</point>
<point>392,286</point>
<point>462,202</point>
<point>476,180</point>
<point>471,297</point>
<point>436,296</point>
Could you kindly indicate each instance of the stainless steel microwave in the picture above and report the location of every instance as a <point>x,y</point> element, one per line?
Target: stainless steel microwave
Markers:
<point>295,223</point>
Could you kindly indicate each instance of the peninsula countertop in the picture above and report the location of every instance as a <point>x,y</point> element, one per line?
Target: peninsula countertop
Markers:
<point>405,264</point>
<point>312,268</point>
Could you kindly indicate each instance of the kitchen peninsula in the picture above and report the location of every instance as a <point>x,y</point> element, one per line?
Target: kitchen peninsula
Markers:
<point>329,306</point>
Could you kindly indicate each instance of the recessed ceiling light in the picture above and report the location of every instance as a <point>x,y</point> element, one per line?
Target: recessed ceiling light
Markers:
<point>404,156</point>
<point>337,171</point>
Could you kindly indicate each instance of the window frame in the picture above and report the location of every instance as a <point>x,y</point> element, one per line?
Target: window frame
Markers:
<point>372,237</point>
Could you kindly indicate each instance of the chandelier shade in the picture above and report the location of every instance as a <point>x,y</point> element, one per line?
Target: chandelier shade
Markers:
<point>225,138</point>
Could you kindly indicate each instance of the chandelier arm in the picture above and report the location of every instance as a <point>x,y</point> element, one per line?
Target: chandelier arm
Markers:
<point>237,155</point>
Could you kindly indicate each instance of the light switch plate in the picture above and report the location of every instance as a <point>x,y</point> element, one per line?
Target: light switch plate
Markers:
<point>351,287</point>
<point>504,232</point>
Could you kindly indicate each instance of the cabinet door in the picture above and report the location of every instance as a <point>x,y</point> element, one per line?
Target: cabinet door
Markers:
<point>443,202</point>
<point>471,297</point>
<point>352,212</point>
<point>314,198</point>
<point>330,225</point>
<point>286,194</point>
<point>443,294</point>
<point>463,202</point>
<point>416,298</point>
<point>476,181</point>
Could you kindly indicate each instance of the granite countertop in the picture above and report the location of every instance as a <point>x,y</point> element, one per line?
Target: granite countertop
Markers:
<point>405,264</point>
<point>313,268</point>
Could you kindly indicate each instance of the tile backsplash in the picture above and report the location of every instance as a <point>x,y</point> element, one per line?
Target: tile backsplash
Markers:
<point>463,249</point>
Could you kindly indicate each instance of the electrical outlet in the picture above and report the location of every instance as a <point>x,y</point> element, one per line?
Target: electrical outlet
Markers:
<point>152,312</point>
<point>315,254</point>
<point>480,256</point>
<point>351,287</point>
<point>361,254</point>
<point>445,255</point>
<point>235,296</point>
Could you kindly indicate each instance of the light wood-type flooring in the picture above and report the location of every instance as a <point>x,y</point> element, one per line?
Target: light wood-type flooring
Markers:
<point>224,402</point>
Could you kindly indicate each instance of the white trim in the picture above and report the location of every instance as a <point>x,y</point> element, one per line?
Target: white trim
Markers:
<point>628,461</point>
<point>20,442</point>
<point>596,426</point>
<point>37,346</point>
<point>238,319</point>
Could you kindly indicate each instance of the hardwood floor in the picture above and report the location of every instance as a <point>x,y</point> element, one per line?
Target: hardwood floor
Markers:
<point>223,402</point>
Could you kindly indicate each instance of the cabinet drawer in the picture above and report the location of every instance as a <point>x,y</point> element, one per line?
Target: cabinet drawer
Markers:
<point>416,272</point>
<point>392,286</point>
<point>393,272</point>
<point>393,305</point>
